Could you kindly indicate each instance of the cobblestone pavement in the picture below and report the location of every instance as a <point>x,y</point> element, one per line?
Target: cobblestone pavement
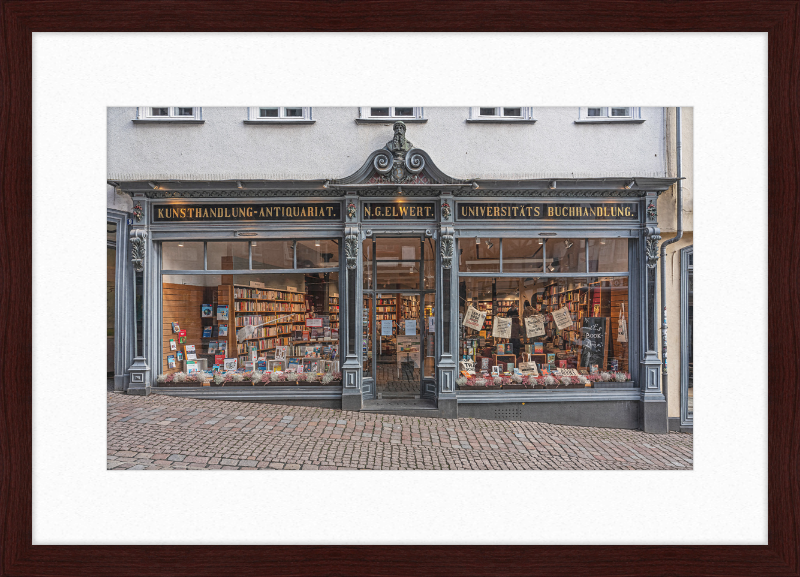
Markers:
<point>161,432</point>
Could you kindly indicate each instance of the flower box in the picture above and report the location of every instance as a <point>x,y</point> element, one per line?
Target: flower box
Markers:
<point>516,386</point>
<point>481,387</point>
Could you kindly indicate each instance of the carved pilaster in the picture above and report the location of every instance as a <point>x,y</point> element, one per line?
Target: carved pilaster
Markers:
<point>447,250</point>
<point>138,242</point>
<point>351,250</point>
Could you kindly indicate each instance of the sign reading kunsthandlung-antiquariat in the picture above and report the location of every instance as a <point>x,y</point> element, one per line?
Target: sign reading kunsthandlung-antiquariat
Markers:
<point>254,212</point>
<point>546,211</point>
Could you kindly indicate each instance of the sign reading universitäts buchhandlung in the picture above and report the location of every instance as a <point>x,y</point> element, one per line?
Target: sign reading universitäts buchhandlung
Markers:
<point>546,211</point>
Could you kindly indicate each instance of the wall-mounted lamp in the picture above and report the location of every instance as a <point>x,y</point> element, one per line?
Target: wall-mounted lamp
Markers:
<point>477,240</point>
<point>552,184</point>
<point>630,184</point>
<point>152,185</point>
<point>239,184</point>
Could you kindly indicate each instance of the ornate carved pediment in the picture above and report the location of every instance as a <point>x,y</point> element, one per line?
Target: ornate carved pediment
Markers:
<point>399,163</point>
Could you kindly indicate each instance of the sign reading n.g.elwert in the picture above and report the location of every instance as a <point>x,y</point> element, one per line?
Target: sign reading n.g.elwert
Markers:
<point>546,211</point>
<point>255,212</point>
<point>399,210</point>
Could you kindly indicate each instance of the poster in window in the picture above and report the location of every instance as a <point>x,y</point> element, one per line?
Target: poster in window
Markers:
<point>386,328</point>
<point>474,318</point>
<point>501,328</point>
<point>534,326</point>
<point>562,318</point>
<point>411,327</point>
<point>280,353</point>
<point>230,364</point>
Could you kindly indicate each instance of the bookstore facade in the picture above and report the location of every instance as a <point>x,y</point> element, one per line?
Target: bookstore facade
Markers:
<point>527,300</point>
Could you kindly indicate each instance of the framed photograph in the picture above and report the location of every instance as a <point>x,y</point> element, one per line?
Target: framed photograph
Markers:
<point>646,70</point>
<point>230,364</point>
<point>496,369</point>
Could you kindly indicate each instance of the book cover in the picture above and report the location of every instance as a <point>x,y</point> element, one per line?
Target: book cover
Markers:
<point>207,331</point>
<point>171,361</point>
<point>181,340</point>
<point>212,347</point>
<point>172,345</point>
<point>223,329</point>
<point>230,364</point>
<point>222,346</point>
<point>538,348</point>
<point>175,327</point>
<point>180,356</point>
<point>222,312</point>
<point>191,366</point>
<point>205,311</point>
<point>551,358</point>
<point>219,359</point>
<point>182,333</point>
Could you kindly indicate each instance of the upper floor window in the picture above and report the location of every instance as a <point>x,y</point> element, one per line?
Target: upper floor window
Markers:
<point>279,115</point>
<point>191,114</point>
<point>609,114</point>
<point>501,114</point>
<point>377,114</point>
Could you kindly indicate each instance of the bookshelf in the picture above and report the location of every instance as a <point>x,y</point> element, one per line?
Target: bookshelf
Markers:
<point>255,306</point>
<point>333,311</point>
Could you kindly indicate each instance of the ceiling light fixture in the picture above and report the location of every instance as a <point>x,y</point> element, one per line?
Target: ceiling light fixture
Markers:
<point>568,243</point>
<point>551,268</point>
<point>489,244</point>
<point>180,244</point>
<point>316,243</point>
<point>552,184</point>
<point>477,240</point>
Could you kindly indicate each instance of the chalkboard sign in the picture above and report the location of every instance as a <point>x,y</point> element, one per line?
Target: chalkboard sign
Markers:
<point>594,333</point>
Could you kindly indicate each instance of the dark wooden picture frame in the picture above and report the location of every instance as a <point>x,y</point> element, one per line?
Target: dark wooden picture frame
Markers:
<point>19,19</point>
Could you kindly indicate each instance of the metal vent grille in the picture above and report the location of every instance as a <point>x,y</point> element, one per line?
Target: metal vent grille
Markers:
<point>510,414</point>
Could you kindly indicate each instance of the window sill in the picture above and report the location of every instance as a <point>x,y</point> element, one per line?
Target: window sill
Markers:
<point>167,121</point>
<point>281,121</point>
<point>390,120</point>
<point>611,121</point>
<point>501,120</point>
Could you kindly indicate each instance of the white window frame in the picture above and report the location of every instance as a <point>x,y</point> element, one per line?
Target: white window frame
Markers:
<point>526,115</point>
<point>145,114</point>
<point>635,116</point>
<point>365,115</point>
<point>253,118</point>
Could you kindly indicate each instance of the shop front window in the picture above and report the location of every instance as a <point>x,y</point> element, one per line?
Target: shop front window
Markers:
<point>251,327</point>
<point>547,330</point>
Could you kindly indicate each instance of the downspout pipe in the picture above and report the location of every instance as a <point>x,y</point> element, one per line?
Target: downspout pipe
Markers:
<point>663,256</point>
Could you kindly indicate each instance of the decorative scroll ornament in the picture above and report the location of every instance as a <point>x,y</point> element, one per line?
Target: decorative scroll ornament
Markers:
<point>445,211</point>
<point>138,212</point>
<point>447,251</point>
<point>351,211</point>
<point>651,249</point>
<point>652,211</point>
<point>399,162</point>
<point>351,250</point>
<point>138,238</point>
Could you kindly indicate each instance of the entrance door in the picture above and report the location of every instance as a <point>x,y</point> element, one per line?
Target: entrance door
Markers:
<point>399,284</point>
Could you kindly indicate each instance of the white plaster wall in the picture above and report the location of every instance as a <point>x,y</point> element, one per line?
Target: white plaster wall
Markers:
<point>335,146</point>
<point>119,201</point>
<point>668,201</point>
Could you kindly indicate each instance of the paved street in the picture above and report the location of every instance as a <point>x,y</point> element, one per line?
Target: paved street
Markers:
<point>161,432</point>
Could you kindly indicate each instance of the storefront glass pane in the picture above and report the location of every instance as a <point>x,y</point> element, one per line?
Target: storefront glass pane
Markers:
<point>556,333</point>
<point>429,263</point>
<point>228,255</point>
<point>479,254</point>
<point>182,255</point>
<point>272,254</point>
<point>317,253</point>
<point>608,254</point>
<point>367,324</point>
<point>566,255</point>
<point>523,254</point>
<point>111,273</point>
<point>397,275</point>
<point>253,329</point>
<point>389,248</point>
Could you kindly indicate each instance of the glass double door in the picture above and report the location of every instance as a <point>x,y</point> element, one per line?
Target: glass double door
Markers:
<point>399,317</point>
